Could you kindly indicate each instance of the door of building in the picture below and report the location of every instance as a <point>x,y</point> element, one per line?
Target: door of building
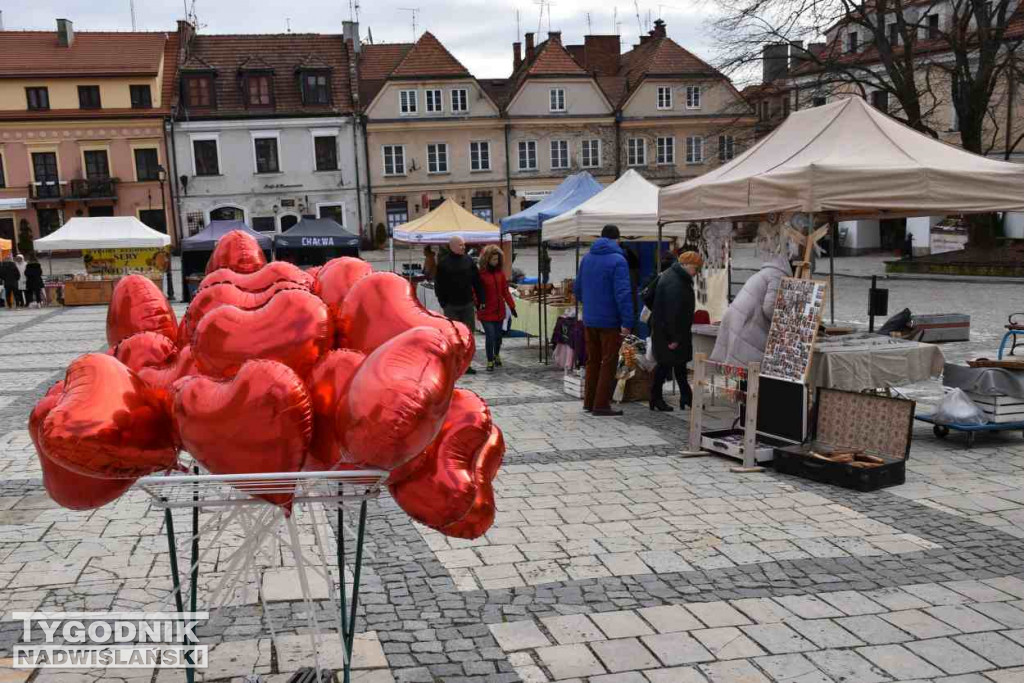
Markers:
<point>227,213</point>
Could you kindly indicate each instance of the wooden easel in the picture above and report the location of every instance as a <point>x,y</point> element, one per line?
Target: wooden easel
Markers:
<point>807,242</point>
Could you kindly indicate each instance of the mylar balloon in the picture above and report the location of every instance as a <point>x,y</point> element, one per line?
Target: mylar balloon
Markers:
<point>328,385</point>
<point>381,306</point>
<point>292,328</point>
<point>155,360</point>
<point>225,294</point>
<point>337,277</point>
<point>259,280</point>
<point>138,305</point>
<point>66,488</point>
<point>108,423</point>
<point>237,251</point>
<point>397,400</point>
<point>261,421</point>
<point>481,514</point>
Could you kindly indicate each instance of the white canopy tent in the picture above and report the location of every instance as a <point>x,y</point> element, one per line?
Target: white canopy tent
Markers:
<point>631,203</point>
<point>109,232</point>
<point>848,160</point>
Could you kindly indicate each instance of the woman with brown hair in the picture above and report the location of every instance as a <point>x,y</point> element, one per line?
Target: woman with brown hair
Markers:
<point>496,295</point>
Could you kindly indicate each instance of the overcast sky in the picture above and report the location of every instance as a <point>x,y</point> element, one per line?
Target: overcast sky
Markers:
<point>478,32</point>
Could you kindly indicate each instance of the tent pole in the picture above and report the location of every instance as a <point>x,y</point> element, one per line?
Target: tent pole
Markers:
<point>657,266</point>
<point>540,308</point>
<point>833,229</point>
<point>391,250</point>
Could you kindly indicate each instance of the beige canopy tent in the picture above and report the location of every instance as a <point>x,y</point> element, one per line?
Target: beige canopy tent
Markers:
<point>448,220</point>
<point>848,160</point>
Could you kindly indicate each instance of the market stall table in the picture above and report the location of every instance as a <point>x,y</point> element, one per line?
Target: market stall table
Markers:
<point>867,361</point>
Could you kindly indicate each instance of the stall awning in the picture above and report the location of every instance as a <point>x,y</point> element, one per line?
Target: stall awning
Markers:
<point>108,232</point>
<point>446,221</point>
<point>573,191</point>
<point>316,233</point>
<point>207,238</point>
<point>630,203</point>
<point>851,160</point>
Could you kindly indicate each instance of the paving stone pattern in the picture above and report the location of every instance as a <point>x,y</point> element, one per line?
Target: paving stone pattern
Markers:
<point>612,559</point>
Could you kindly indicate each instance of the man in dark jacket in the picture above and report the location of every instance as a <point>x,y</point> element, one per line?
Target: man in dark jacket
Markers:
<point>671,319</point>
<point>603,287</point>
<point>9,276</point>
<point>456,283</point>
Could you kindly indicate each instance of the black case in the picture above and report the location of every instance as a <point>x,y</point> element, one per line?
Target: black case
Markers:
<point>879,425</point>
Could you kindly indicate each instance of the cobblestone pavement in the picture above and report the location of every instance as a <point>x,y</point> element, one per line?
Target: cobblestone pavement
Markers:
<point>612,559</point>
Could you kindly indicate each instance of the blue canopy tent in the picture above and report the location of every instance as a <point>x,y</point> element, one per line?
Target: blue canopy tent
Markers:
<point>572,192</point>
<point>196,250</point>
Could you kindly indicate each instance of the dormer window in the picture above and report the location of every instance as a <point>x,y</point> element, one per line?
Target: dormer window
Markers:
<point>852,42</point>
<point>316,88</point>
<point>199,90</point>
<point>556,98</point>
<point>258,88</point>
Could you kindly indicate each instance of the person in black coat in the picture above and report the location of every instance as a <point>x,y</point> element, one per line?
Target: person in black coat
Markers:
<point>671,319</point>
<point>9,276</point>
<point>458,287</point>
<point>34,282</point>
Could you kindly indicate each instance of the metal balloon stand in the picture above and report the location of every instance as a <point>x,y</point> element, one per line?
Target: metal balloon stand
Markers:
<point>231,498</point>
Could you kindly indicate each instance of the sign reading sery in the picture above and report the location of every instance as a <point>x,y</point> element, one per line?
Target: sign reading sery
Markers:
<point>121,261</point>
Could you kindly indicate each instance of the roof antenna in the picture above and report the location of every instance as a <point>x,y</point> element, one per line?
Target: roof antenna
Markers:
<point>288,24</point>
<point>415,11</point>
<point>131,6</point>
<point>639,24</point>
<point>519,28</point>
<point>590,29</point>
<point>540,17</point>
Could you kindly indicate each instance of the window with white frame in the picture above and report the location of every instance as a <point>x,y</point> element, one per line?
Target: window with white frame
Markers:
<point>664,97</point>
<point>407,102</point>
<point>726,148</point>
<point>205,156</point>
<point>437,158</point>
<point>394,159</point>
<point>460,100</point>
<point>590,153</point>
<point>694,150</point>
<point>528,155</point>
<point>666,150</point>
<point>556,99</point>
<point>693,97</point>
<point>480,156</point>
<point>325,151</point>
<point>334,211</point>
<point>434,102</point>
<point>636,152</point>
<point>266,153</point>
<point>559,154</point>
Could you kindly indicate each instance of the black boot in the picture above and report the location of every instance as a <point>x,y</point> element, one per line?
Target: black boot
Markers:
<point>661,406</point>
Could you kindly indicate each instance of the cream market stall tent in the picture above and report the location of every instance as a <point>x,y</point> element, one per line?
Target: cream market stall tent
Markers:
<point>448,220</point>
<point>124,236</point>
<point>845,161</point>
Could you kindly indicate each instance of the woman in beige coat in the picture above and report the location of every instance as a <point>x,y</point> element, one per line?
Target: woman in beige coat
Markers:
<point>744,330</point>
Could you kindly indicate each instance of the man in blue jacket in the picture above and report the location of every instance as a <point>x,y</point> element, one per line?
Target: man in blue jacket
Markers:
<point>603,287</point>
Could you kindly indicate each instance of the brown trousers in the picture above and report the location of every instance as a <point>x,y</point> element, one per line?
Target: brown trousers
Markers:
<point>602,358</point>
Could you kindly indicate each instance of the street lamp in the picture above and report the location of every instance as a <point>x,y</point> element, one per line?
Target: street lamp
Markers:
<point>161,175</point>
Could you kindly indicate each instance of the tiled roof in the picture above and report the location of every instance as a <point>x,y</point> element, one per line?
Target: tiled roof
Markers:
<point>38,54</point>
<point>428,57</point>
<point>552,59</point>
<point>284,53</point>
<point>376,62</point>
<point>498,89</point>
<point>662,56</point>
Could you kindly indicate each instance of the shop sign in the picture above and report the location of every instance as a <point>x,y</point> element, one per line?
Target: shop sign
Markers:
<point>121,261</point>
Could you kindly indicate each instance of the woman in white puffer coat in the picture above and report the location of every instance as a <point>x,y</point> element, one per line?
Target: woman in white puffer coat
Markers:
<point>744,331</point>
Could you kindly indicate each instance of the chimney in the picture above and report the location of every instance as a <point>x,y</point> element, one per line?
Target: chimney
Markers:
<point>775,59</point>
<point>186,31</point>
<point>796,54</point>
<point>350,32</point>
<point>555,37</point>
<point>65,33</point>
<point>517,55</point>
<point>659,29</point>
<point>601,54</point>
<point>529,46</point>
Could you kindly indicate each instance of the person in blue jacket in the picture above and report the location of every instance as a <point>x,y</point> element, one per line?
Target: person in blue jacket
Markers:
<point>603,287</point>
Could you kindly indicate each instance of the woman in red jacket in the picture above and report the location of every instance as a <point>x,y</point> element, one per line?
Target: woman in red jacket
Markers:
<point>496,295</point>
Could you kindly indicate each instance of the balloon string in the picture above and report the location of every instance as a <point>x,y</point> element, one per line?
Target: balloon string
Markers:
<point>311,621</point>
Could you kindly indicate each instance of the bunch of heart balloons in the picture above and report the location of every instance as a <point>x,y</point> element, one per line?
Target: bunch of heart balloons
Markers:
<point>276,369</point>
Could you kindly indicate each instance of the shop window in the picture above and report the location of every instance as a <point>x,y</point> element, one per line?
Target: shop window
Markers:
<point>263,224</point>
<point>483,208</point>
<point>397,213</point>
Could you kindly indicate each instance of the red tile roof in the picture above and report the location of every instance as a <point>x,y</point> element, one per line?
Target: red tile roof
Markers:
<point>376,62</point>
<point>38,54</point>
<point>428,57</point>
<point>284,53</point>
<point>662,56</point>
<point>552,59</point>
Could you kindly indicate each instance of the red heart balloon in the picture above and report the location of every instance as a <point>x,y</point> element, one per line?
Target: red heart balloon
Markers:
<point>261,421</point>
<point>237,251</point>
<point>138,305</point>
<point>66,488</point>
<point>439,486</point>
<point>225,294</point>
<point>397,400</point>
<point>157,361</point>
<point>259,280</point>
<point>328,385</point>
<point>481,513</point>
<point>335,280</point>
<point>314,272</point>
<point>108,423</point>
<point>381,306</point>
<point>292,328</point>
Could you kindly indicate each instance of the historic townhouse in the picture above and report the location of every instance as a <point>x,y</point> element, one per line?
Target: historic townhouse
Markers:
<point>560,120</point>
<point>82,127</point>
<point>433,132</point>
<point>264,130</point>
